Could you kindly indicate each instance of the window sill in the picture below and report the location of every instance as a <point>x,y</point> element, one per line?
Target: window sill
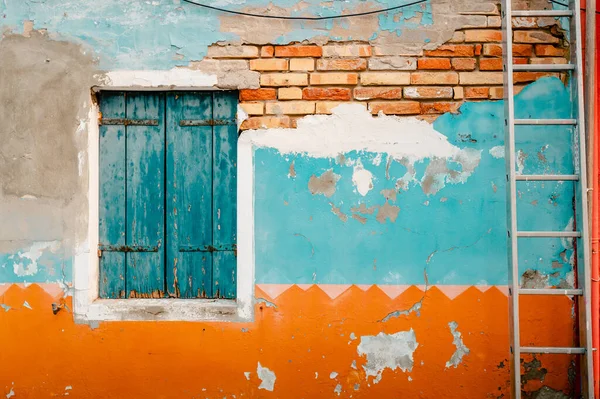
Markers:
<point>161,310</point>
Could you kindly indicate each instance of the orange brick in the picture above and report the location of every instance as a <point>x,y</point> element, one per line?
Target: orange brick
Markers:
<point>416,92</point>
<point>463,64</point>
<point>481,78</point>
<point>330,93</point>
<point>549,60</point>
<point>440,107</point>
<point>383,93</point>
<point>545,50</point>
<point>384,78</point>
<point>521,60</point>
<point>326,107</point>
<point>452,50</point>
<point>254,108</point>
<point>534,36</point>
<point>289,93</point>
<point>302,64</point>
<point>526,77</point>
<point>269,64</point>
<point>339,78</point>
<point>257,94</point>
<point>395,107</point>
<point>291,107</point>
<point>519,50</point>
<point>266,122</point>
<point>496,93</point>
<point>434,78</point>
<point>232,51</point>
<point>490,64</point>
<point>483,35</point>
<point>433,63</point>
<point>283,79</point>
<point>477,92</point>
<point>478,48</point>
<point>342,64</point>
<point>298,51</point>
<point>267,51</point>
<point>459,92</point>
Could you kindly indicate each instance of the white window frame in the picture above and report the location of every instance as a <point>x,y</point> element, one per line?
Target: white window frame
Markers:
<point>88,307</point>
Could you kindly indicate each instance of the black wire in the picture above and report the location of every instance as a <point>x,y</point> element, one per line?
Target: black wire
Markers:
<point>360,14</point>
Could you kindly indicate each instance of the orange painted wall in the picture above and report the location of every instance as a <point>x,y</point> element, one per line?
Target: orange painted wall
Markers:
<point>306,333</point>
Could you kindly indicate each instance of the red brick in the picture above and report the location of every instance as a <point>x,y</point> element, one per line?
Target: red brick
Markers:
<point>257,94</point>
<point>440,107</point>
<point>526,77</point>
<point>266,122</point>
<point>433,63</point>
<point>477,92</point>
<point>483,35</point>
<point>452,50</point>
<point>490,64</point>
<point>298,51</point>
<point>545,50</point>
<point>330,93</point>
<point>395,107</point>
<point>342,64</point>
<point>534,36</point>
<point>463,64</point>
<point>478,48</point>
<point>384,93</point>
<point>519,50</point>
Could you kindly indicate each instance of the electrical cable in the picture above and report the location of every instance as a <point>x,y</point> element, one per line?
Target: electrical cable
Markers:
<point>359,14</point>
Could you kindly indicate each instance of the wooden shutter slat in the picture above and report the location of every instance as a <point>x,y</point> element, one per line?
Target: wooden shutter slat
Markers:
<point>224,194</point>
<point>189,192</point>
<point>112,197</point>
<point>145,195</point>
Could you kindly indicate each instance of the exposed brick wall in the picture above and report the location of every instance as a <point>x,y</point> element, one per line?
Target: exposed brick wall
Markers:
<point>297,80</point>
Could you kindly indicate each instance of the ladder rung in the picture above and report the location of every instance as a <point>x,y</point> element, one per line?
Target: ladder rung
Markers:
<point>545,121</point>
<point>549,291</point>
<point>543,13</point>
<point>549,234</point>
<point>553,350</point>
<point>543,67</point>
<point>547,177</point>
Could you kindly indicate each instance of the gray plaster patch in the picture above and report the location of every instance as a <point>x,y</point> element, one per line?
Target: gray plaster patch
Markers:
<point>267,378</point>
<point>461,349</point>
<point>391,351</point>
<point>324,184</point>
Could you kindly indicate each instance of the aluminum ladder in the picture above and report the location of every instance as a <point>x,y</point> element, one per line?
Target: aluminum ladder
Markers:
<point>582,291</point>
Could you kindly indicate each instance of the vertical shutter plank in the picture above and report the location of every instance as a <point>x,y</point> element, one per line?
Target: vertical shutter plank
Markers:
<point>189,193</point>
<point>111,223</point>
<point>224,194</point>
<point>145,196</point>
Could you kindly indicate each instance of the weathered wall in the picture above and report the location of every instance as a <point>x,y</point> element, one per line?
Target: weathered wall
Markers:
<point>380,240</point>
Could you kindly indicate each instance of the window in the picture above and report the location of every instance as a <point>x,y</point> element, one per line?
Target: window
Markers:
<point>167,195</point>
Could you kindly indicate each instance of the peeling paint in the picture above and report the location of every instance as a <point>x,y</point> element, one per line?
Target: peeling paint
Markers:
<point>391,351</point>
<point>247,375</point>
<point>333,375</point>
<point>26,263</point>
<point>362,179</point>
<point>338,389</point>
<point>461,349</point>
<point>267,378</point>
<point>324,184</point>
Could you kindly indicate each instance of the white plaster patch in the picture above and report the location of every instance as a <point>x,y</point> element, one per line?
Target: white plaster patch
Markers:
<point>497,151</point>
<point>241,116</point>
<point>33,255</point>
<point>362,179</point>
<point>267,378</point>
<point>392,351</point>
<point>179,77</point>
<point>352,128</point>
<point>461,349</point>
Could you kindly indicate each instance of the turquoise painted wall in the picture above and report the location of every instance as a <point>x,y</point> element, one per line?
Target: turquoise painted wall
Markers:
<point>161,34</point>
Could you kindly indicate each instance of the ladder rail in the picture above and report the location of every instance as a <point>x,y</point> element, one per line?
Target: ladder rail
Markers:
<point>509,143</point>
<point>585,307</point>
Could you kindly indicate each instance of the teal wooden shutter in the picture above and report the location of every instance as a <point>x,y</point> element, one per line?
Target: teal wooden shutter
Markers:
<point>224,194</point>
<point>132,167</point>
<point>112,197</point>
